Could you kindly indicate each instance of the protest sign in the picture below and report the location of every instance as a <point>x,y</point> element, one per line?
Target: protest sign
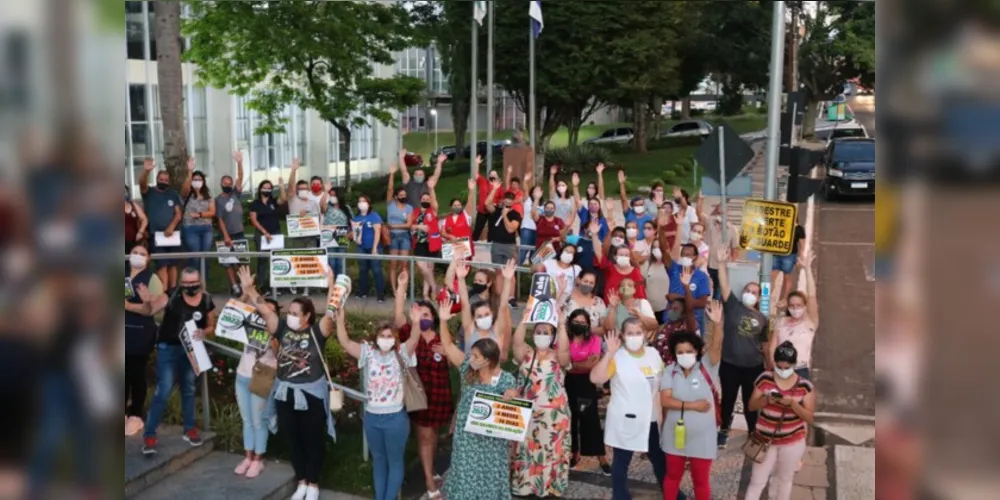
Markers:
<point>129,289</point>
<point>491,416</point>
<point>341,290</point>
<point>277,243</point>
<point>448,250</point>
<point>334,236</point>
<point>233,321</point>
<point>163,241</point>
<point>543,288</point>
<point>543,254</point>
<point>195,349</point>
<point>302,226</point>
<point>295,268</point>
<point>238,246</point>
<point>543,311</point>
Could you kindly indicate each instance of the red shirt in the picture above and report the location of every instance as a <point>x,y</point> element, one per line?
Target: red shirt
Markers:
<point>433,228</point>
<point>460,226</point>
<point>484,188</point>
<point>613,278</point>
<point>546,230</point>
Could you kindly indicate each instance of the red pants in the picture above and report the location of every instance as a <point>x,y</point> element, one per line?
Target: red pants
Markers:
<point>701,471</point>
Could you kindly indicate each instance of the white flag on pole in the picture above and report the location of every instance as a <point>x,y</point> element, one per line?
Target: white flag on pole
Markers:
<point>479,11</point>
<point>535,13</point>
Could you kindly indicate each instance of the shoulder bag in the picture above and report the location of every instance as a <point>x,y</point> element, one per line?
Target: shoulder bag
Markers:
<point>715,396</point>
<point>523,389</point>
<point>414,396</point>
<point>757,444</point>
<point>336,395</point>
<point>262,379</point>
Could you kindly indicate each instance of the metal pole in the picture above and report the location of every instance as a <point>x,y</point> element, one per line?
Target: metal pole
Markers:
<point>130,156</point>
<point>473,109</point>
<point>490,105</point>
<point>531,93</point>
<point>773,138</point>
<point>724,209</point>
<point>150,112</point>
<point>189,76</point>
<point>413,279</point>
<point>206,414</point>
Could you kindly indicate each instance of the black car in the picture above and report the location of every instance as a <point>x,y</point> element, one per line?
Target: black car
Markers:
<point>449,151</point>
<point>481,147</point>
<point>849,166</point>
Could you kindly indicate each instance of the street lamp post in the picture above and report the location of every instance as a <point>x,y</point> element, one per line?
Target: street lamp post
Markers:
<point>434,114</point>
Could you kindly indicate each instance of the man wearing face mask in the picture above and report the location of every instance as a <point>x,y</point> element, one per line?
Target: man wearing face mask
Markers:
<point>503,228</point>
<point>229,211</point>
<point>713,236</point>
<point>746,336</point>
<point>189,302</point>
<point>163,209</point>
<point>419,184</point>
<point>301,202</point>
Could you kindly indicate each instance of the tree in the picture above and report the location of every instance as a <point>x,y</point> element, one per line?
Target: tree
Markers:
<point>583,112</point>
<point>170,77</point>
<point>839,45</point>
<point>453,35</point>
<point>331,57</point>
<point>739,40</point>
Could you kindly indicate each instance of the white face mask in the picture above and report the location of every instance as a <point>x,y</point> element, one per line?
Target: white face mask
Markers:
<point>632,233</point>
<point>476,366</point>
<point>137,261</point>
<point>784,374</point>
<point>686,261</point>
<point>561,189</point>
<point>696,236</point>
<point>363,207</point>
<point>687,360</point>
<point>749,299</point>
<point>641,209</point>
<point>543,341</point>
<point>303,194</point>
<point>293,322</point>
<point>386,344</point>
<point>197,184</point>
<point>622,261</point>
<point>567,258</point>
<point>797,312</point>
<point>484,323</point>
<point>333,200</point>
<point>634,342</point>
<point>657,254</point>
<point>616,241</point>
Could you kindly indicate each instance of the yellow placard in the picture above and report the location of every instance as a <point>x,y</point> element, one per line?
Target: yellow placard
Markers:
<point>769,226</point>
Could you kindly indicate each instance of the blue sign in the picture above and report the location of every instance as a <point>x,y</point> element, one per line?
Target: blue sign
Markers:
<point>740,187</point>
<point>765,299</point>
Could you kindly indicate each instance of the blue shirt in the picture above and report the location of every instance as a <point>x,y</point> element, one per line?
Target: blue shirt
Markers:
<point>367,223</point>
<point>585,248</point>
<point>159,206</point>
<point>641,220</point>
<point>396,216</point>
<point>699,289</point>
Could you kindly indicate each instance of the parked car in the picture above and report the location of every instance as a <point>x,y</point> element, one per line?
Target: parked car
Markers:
<point>621,135</point>
<point>849,166</point>
<point>450,151</point>
<point>481,147</point>
<point>692,128</point>
<point>413,159</point>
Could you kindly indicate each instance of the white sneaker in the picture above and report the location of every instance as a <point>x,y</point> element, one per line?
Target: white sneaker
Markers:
<point>312,493</point>
<point>300,492</point>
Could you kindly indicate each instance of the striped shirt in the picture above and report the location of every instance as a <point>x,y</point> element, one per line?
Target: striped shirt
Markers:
<point>792,428</point>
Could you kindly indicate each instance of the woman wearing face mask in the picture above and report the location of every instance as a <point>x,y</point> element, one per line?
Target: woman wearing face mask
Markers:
<point>434,373</point>
<point>560,195</point>
<point>370,224</point>
<point>590,213</point>
<point>199,212</point>
<point>532,210</point>
<point>698,240</point>
<point>583,297</point>
<point>563,270</point>
<point>679,318</point>
<point>799,324</point>
<point>585,426</point>
<point>541,464</point>
<point>623,305</point>
<point>697,291</point>
<point>551,228</point>
<point>140,335</point>
<point>654,274</point>
<point>426,241</point>
<point>266,222</point>
<point>384,360</point>
<point>398,215</point>
<point>338,214</point>
<point>618,266</point>
<point>634,415</point>
<point>688,214</point>
<point>746,335</point>
<point>478,321</point>
<point>640,248</point>
<point>458,223</point>
<point>480,465</point>
<point>786,403</point>
<point>301,392</point>
<point>135,223</point>
<point>690,397</point>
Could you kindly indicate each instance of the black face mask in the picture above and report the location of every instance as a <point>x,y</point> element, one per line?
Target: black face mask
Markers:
<point>227,189</point>
<point>265,192</point>
<point>477,289</point>
<point>578,330</point>
<point>677,201</point>
<point>162,186</point>
<point>425,204</point>
<point>191,291</point>
<point>456,210</point>
<point>401,199</point>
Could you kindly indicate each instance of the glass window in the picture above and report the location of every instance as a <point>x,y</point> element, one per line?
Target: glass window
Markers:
<point>137,102</point>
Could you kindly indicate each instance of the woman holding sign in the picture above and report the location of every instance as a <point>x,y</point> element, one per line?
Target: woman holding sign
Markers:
<point>541,462</point>
<point>480,465</point>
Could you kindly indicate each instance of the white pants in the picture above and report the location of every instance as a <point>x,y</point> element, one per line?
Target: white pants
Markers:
<point>783,461</point>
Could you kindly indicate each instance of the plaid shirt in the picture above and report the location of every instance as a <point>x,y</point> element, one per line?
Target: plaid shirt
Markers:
<point>434,373</point>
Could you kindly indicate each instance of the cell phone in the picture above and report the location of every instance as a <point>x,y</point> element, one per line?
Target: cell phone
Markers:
<point>774,395</point>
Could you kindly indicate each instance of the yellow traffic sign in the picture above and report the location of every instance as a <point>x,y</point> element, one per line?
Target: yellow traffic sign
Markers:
<point>769,226</point>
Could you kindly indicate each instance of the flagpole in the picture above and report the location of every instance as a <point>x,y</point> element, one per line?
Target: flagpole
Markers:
<point>531,93</point>
<point>490,111</point>
<point>474,101</point>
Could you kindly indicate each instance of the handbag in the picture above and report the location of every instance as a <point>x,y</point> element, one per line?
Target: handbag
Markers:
<point>757,444</point>
<point>414,396</point>
<point>262,380</point>
<point>336,395</point>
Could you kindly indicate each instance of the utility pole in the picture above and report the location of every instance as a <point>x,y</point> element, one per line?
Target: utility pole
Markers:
<point>793,49</point>
<point>773,138</point>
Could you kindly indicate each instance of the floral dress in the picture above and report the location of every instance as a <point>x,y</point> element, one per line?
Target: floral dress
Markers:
<point>541,462</point>
<point>480,465</point>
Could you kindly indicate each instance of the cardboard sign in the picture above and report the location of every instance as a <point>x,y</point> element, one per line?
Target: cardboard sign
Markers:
<point>769,226</point>
<point>302,226</point>
<point>460,245</point>
<point>299,268</point>
<point>543,288</point>
<point>491,416</point>
<point>163,241</point>
<point>277,243</point>
<point>238,246</point>
<point>334,236</point>
<point>236,320</point>
<point>129,289</point>
<point>195,349</point>
<point>547,252</point>
<point>544,311</point>
<point>341,290</point>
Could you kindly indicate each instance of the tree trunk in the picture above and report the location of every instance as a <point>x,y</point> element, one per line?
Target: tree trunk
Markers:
<point>543,147</point>
<point>640,120</point>
<point>574,127</point>
<point>686,108</point>
<point>171,89</point>
<point>809,119</point>
<point>460,121</point>
<point>345,152</point>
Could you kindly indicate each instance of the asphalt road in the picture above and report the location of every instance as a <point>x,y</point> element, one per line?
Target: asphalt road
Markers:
<point>844,351</point>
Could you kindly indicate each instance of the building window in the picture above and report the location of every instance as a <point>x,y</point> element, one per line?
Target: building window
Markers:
<point>144,131</point>
<point>271,150</point>
<point>364,143</point>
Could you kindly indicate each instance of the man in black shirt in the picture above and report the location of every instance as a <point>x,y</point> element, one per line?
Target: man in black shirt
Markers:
<point>504,225</point>
<point>187,303</point>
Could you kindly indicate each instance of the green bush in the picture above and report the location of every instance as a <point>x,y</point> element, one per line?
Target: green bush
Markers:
<point>581,158</point>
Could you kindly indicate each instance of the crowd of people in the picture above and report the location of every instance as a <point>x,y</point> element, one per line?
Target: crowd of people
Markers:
<point>645,311</point>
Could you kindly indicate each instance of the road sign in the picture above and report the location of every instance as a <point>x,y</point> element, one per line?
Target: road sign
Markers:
<point>742,186</point>
<point>737,154</point>
<point>769,226</point>
<point>836,113</point>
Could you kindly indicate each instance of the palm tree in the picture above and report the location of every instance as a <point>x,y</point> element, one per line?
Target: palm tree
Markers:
<point>171,88</point>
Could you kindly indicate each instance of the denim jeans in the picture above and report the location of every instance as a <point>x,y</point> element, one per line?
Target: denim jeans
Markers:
<point>527,238</point>
<point>387,435</point>
<point>336,262</point>
<point>622,459</point>
<point>252,409</point>
<point>172,365</point>
<point>375,266</point>
<point>198,239</point>
<point>63,419</point>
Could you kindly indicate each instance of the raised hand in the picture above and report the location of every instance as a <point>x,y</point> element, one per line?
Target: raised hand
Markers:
<point>296,163</point>
<point>621,177</point>
<point>238,157</point>
<point>600,168</point>
<point>714,311</point>
<point>471,185</point>
<point>415,314</point>
<point>722,253</point>
<point>553,170</point>
<point>148,164</point>
<point>527,177</point>
<point>393,168</point>
<point>527,315</point>
<point>576,179</point>
<point>613,298</point>
<point>246,279</point>
<point>509,269</point>
<point>444,309</point>
<point>190,164</point>
<point>613,341</point>
<point>461,269</point>
<point>806,258</point>
<point>442,158</point>
<point>686,276</point>
<point>479,160</point>
<point>402,280</point>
